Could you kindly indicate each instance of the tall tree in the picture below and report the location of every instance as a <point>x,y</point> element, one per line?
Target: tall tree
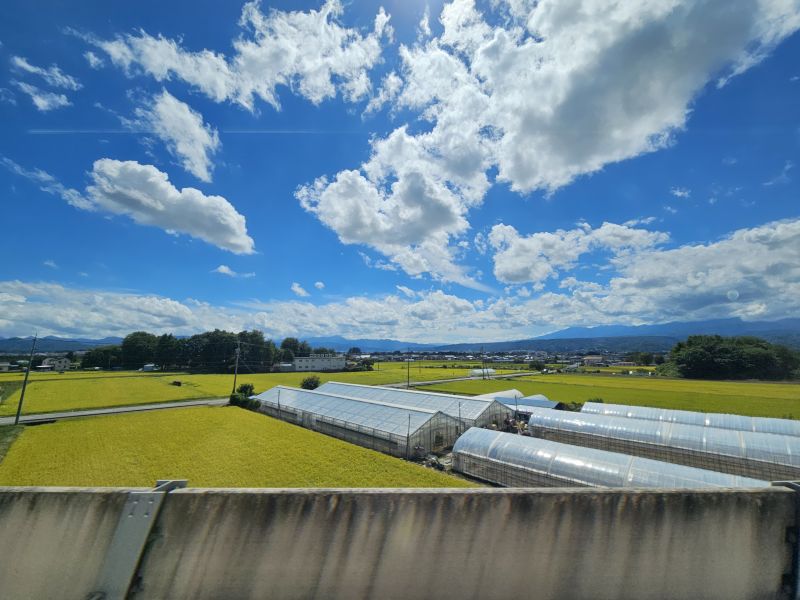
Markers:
<point>138,348</point>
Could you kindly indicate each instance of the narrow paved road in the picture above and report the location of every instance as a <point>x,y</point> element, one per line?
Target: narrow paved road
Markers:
<point>94,412</point>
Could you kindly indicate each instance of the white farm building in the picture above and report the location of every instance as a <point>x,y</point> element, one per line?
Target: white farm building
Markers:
<point>320,362</point>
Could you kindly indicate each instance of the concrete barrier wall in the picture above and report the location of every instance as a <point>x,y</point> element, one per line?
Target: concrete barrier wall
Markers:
<point>349,544</point>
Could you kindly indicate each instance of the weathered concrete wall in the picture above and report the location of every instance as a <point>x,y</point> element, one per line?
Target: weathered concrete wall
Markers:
<point>53,540</point>
<point>350,544</point>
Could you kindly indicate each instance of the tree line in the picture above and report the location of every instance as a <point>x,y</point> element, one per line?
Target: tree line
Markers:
<point>211,352</point>
<point>743,357</point>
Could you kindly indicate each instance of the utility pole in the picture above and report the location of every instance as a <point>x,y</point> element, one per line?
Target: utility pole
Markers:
<point>408,437</point>
<point>25,383</point>
<point>236,367</point>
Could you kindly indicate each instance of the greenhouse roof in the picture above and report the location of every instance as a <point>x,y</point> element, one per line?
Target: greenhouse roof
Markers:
<point>469,408</point>
<point>537,401</point>
<point>767,447</point>
<point>375,415</point>
<point>719,420</point>
<point>589,466</point>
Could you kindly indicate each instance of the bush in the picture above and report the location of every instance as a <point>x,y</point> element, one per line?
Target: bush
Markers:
<point>246,389</point>
<point>238,399</point>
<point>310,383</point>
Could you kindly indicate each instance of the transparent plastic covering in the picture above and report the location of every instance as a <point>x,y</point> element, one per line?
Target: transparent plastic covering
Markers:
<point>521,404</point>
<point>381,417</point>
<point>463,407</point>
<point>687,417</point>
<point>556,463</point>
<point>765,447</point>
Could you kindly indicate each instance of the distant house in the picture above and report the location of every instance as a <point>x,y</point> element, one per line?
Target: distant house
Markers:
<point>59,363</point>
<point>593,360</point>
<point>4,366</point>
<point>320,362</point>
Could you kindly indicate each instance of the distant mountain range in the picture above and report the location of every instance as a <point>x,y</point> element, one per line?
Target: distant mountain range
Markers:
<point>608,338</point>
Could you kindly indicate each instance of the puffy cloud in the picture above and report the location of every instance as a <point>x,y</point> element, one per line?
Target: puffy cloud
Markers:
<point>534,258</point>
<point>550,91</point>
<point>52,75</point>
<point>274,51</point>
<point>298,290</point>
<point>319,285</point>
<point>146,195</point>
<point>751,273</point>
<point>226,270</point>
<point>43,101</point>
<point>183,131</point>
<point>680,192</point>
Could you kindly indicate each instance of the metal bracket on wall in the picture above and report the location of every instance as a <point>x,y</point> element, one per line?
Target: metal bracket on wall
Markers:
<point>793,580</point>
<point>133,531</point>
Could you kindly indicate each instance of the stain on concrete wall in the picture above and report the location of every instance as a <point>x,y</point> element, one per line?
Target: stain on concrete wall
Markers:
<point>349,544</point>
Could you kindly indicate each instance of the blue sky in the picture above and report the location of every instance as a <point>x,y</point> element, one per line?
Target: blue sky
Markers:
<point>428,172</point>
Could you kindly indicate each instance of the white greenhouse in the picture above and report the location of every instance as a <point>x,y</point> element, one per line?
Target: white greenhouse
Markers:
<point>687,417</point>
<point>520,461</point>
<point>759,455</point>
<point>396,430</point>
<point>471,412</point>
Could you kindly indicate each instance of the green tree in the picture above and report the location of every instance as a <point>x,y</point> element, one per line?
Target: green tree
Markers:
<point>717,357</point>
<point>246,389</point>
<point>310,383</point>
<point>138,348</point>
<point>354,350</point>
<point>104,357</point>
<point>536,365</point>
<point>167,351</point>
<point>291,343</point>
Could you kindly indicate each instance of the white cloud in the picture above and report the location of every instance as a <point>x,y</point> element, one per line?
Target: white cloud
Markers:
<point>298,290</point>
<point>390,88</point>
<point>273,51</point>
<point>556,90</point>
<point>783,176</point>
<point>48,183</point>
<point>183,131</point>
<point>537,257</point>
<point>226,270</point>
<point>680,192</point>
<point>670,209</point>
<point>43,101</point>
<point>146,195</point>
<point>319,285</point>
<point>94,61</point>
<point>50,263</point>
<point>7,97</point>
<point>406,291</point>
<point>751,273</point>
<point>52,75</point>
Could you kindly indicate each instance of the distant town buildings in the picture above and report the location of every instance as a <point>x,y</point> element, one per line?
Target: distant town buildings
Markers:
<point>59,363</point>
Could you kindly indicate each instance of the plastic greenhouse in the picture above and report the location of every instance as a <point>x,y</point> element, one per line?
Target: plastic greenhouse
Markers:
<point>396,430</point>
<point>520,461</point>
<point>524,405</point>
<point>760,455</point>
<point>721,421</point>
<point>471,412</point>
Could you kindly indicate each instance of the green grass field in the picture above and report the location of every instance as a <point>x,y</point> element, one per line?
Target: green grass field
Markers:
<point>50,392</point>
<point>744,398</point>
<point>211,447</point>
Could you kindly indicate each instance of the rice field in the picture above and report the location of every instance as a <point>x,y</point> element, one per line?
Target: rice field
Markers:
<point>759,399</point>
<point>209,446</point>
<point>73,390</point>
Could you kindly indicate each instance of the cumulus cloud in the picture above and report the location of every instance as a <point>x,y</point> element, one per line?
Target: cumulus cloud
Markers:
<point>183,132</point>
<point>298,290</point>
<point>227,271</point>
<point>751,273</point>
<point>43,101</point>
<point>273,51</point>
<point>319,285</point>
<point>548,92</point>
<point>537,257</point>
<point>680,192</point>
<point>145,194</point>
<point>52,75</point>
